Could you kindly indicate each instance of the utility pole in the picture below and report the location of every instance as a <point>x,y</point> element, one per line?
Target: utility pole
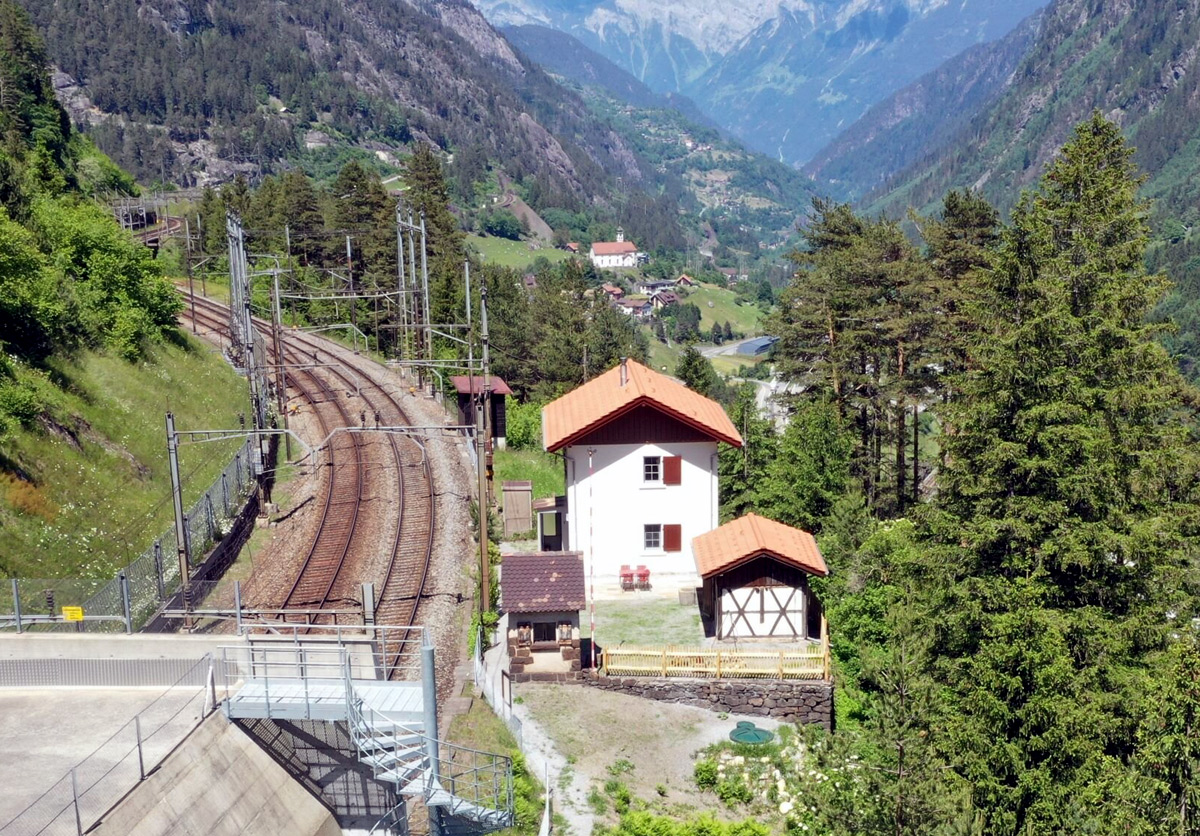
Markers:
<point>401,298</point>
<point>200,238</point>
<point>187,267</point>
<point>482,457</point>
<point>280,368</point>
<point>182,537</point>
<point>425,284</point>
<point>353,295</point>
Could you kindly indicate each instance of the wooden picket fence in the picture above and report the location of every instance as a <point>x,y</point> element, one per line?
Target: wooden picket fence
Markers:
<point>811,662</point>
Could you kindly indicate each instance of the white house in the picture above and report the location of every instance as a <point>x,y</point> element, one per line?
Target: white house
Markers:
<point>619,253</point>
<point>640,453</point>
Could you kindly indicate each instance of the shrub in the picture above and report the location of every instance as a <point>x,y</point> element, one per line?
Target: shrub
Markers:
<point>705,774</point>
<point>524,428</point>
<point>734,790</point>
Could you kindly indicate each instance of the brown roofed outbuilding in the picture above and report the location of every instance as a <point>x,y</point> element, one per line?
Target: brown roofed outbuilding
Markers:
<point>542,582</point>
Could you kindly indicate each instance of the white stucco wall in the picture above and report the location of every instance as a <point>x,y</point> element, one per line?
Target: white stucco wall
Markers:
<point>607,510</point>
<point>610,261</point>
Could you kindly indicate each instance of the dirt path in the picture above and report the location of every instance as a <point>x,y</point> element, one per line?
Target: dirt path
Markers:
<point>595,736</point>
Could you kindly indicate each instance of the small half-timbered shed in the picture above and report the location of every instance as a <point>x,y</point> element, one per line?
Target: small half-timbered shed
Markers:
<point>754,574</point>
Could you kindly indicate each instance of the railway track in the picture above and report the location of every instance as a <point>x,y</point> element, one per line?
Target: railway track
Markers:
<point>328,574</point>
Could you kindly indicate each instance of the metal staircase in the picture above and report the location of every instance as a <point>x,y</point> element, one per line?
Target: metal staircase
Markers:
<point>393,725</point>
<point>466,791</point>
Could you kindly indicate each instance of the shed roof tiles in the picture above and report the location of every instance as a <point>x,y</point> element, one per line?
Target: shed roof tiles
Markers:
<point>542,582</point>
<point>474,385</point>
<point>750,536</point>
<point>620,390</point>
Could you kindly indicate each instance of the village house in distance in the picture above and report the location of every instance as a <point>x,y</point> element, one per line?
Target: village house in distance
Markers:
<point>615,254</point>
<point>640,452</point>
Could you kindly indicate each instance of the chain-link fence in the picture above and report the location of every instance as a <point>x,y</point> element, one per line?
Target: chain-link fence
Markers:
<point>77,800</point>
<point>127,601</point>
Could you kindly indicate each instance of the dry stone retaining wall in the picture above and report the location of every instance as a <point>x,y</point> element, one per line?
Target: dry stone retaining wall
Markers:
<point>795,701</point>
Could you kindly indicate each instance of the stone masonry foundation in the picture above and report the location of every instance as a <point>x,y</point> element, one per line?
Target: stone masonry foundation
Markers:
<point>796,701</point>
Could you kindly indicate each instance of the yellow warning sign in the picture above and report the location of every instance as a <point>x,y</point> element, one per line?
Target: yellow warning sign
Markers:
<point>72,613</point>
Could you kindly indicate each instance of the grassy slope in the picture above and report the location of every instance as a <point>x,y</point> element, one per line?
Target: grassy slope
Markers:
<point>514,254</point>
<point>95,505</point>
<point>745,319</point>
<point>543,469</point>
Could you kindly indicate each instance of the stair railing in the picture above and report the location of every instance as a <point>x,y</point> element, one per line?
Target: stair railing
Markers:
<point>482,780</point>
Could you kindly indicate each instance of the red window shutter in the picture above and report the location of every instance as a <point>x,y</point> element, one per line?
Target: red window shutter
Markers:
<point>672,470</point>
<point>672,538</point>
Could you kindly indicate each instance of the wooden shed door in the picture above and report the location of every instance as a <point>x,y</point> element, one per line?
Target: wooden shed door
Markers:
<point>761,612</point>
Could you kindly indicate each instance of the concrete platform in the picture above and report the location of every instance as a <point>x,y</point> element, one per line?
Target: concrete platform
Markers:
<point>46,732</point>
<point>323,699</point>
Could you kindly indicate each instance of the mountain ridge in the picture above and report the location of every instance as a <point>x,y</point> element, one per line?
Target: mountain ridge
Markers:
<point>785,78</point>
<point>170,84</point>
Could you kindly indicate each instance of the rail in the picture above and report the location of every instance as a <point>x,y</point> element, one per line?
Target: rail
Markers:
<point>810,662</point>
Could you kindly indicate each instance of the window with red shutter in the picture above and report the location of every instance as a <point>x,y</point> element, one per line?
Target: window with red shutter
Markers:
<point>672,470</point>
<point>672,538</point>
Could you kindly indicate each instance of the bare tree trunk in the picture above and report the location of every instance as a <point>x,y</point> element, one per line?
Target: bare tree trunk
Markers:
<point>916,455</point>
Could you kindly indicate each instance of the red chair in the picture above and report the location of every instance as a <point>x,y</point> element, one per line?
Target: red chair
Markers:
<point>626,577</point>
<point>643,577</point>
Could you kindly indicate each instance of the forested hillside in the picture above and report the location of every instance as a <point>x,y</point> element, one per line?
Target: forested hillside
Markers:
<point>750,200</point>
<point>90,357</point>
<point>1017,649</point>
<point>186,91</point>
<point>1136,63</point>
<point>921,118</point>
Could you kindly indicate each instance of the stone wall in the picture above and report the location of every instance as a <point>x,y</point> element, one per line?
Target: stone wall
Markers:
<point>796,701</point>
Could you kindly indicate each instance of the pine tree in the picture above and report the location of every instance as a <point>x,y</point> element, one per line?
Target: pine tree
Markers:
<point>741,471</point>
<point>696,371</point>
<point>1069,495</point>
<point>810,469</point>
<point>429,195</point>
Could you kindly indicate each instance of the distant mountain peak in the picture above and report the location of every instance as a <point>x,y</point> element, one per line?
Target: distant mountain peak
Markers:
<point>782,75</point>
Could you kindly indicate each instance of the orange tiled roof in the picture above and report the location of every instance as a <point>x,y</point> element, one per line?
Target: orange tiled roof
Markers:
<point>613,247</point>
<point>604,398</point>
<point>749,536</point>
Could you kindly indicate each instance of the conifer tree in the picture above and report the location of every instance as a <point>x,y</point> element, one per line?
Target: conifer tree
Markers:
<point>1067,512</point>
<point>742,470</point>
<point>695,370</point>
<point>428,193</point>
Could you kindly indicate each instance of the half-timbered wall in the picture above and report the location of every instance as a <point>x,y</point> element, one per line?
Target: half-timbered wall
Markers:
<point>763,598</point>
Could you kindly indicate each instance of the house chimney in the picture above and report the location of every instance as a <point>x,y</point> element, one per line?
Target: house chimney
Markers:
<point>624,371</point>
<point>620,235</point>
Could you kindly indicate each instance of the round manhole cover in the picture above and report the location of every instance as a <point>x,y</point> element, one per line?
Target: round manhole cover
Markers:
<point>747,732</point>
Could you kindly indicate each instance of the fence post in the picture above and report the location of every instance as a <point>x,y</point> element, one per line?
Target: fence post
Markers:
<point>75,798</point>
<point>237,604</point>
<point>825,648</point>
<point>781,664</point>
<point>16,589</point>
<point>664,662</point>
<point>212,517</point>
<point>158,570</point>
<point>137,725</point>
<point>126,604</point>
<point>718,664</point>
<point>225,492</point>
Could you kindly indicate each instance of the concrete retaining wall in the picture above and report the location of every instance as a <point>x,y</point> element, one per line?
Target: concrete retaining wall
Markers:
<point>219,782</point>
<point>110,646</point>
<point>796,701</point>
